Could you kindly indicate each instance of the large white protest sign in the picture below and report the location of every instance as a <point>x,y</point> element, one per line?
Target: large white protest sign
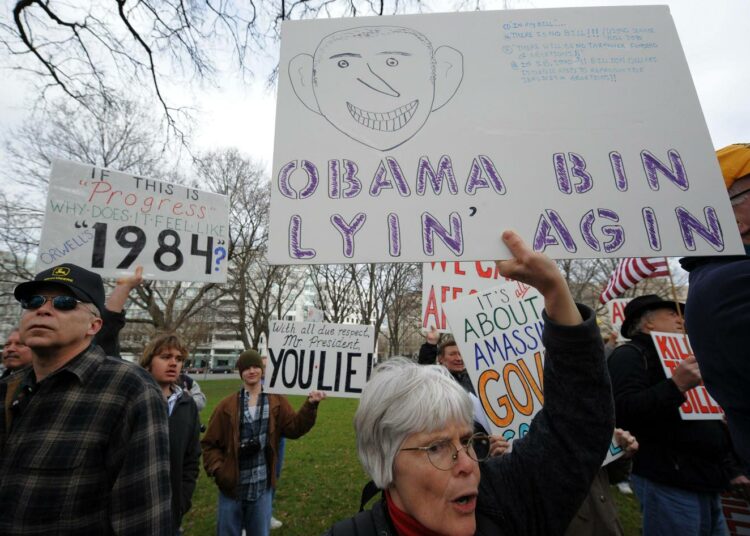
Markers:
<point>500,338</point>
<point>422,137</point>
<point>109,222</point>
<point>672,348</point>
<point>309,356</point>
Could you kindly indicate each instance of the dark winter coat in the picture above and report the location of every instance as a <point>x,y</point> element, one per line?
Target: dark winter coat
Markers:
<point>184,455</point>
<point>692,455</point>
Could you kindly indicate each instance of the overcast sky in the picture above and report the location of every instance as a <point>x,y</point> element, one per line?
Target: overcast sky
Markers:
<point>713,34</point>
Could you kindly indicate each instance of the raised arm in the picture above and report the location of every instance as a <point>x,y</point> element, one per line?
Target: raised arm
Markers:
<point>540,484</point>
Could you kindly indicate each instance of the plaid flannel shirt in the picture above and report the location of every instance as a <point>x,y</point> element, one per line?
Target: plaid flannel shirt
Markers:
<point>86,452</point>
<point>253,469</point>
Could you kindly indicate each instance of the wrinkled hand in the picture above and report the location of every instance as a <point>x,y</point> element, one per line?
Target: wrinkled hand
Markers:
<point>741,487</point>
<point>316,396</point>
<point>539,271</point>
<point>498,445</point>
<point>132,281</point>
<point>627,441</point>
<point>432,336</point>
<point>687,374</point>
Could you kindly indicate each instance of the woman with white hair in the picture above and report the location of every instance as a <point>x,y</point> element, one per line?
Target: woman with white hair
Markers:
<point>415,435</point>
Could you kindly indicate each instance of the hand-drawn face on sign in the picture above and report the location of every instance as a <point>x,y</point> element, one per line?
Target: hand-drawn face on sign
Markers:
<point>378,85</point>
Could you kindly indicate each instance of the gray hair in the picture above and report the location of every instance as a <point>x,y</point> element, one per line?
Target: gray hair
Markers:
<point>637,326</point>
<point>401,399</point>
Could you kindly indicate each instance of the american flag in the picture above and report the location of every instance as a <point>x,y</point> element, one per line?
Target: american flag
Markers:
<point>629,272</point>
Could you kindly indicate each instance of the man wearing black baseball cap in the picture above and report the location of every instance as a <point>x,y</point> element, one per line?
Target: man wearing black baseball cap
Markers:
<point>83,436</point>
<point>681,466</point>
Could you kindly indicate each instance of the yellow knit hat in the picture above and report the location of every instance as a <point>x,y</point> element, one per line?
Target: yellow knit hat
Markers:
<point>734,161</point>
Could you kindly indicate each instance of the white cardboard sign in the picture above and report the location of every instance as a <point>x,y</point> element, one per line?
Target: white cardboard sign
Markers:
<point>310,356</point>
<point>109,222</point>
<point>672,348</point>
<point>499,335</point>
<point>421,137</point>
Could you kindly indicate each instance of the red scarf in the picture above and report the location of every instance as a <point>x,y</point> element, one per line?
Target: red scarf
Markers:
<point>404,524</point>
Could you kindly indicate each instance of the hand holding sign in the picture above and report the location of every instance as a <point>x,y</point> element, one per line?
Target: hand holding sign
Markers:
<point>316,396</point>
<point>687,375</point>
<point>626,441</point>
<point>539,271</point>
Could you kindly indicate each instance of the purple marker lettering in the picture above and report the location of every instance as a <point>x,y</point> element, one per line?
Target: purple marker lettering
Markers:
<point>444,172</point>
<point>353,184</point>
<point>561,172</point>
<point>452,238</point>
<point>348,230</point>
<point>284,173</point>
<point>394,235</point>
<point>615,233</point>
<point>652,228</point>
<point>618,170</point>
<point>312,179</point>
<point>653,166</point>
<point>295,240</point>
<point>579,170</point>
<point>689,224</point>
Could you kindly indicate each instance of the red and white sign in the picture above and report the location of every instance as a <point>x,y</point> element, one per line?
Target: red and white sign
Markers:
<point>446,281</point>
<point>672,349</point>
<point>616,315</point>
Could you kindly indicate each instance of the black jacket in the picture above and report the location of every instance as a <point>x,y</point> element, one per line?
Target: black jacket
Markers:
<point>184,455</point>
<point>693,455</point>
<point>536,489</point>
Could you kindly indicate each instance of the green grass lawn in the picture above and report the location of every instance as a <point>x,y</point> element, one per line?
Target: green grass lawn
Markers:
<point>322,479</point>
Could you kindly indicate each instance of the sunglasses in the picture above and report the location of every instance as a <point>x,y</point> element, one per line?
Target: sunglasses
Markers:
<point>61,303</point>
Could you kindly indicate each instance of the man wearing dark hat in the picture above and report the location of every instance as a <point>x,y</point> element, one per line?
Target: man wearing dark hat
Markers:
<point>243,464</point>
<point>83,436</point>
<point>718,309</point>
<point>681,466</point>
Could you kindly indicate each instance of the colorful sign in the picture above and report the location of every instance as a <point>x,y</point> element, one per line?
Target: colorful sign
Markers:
<point>421,137</point>
<point>109,222</point>
<point>319,356</point>
<point>500,338</point>
<point>446,281</point>
<point>672,348</point>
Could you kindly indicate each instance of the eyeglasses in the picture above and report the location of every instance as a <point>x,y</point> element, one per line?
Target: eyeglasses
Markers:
<point>739,198</point>
<point>61,303</point>
<point>443,454</point>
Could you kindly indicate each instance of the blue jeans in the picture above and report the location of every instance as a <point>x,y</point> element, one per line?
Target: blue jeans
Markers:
<point>253,516</point>
<point>672,511</point>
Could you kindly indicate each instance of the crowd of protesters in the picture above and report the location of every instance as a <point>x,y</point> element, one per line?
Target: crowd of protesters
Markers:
<point>91,444</point>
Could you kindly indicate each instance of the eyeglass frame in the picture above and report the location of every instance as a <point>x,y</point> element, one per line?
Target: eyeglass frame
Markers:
<point>454,455</point>
<point>738,198</point>
<point>46,297</point>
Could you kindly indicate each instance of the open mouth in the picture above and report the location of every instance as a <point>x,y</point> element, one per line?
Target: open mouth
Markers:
<point>465,503</point>
<point>384,121</point>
